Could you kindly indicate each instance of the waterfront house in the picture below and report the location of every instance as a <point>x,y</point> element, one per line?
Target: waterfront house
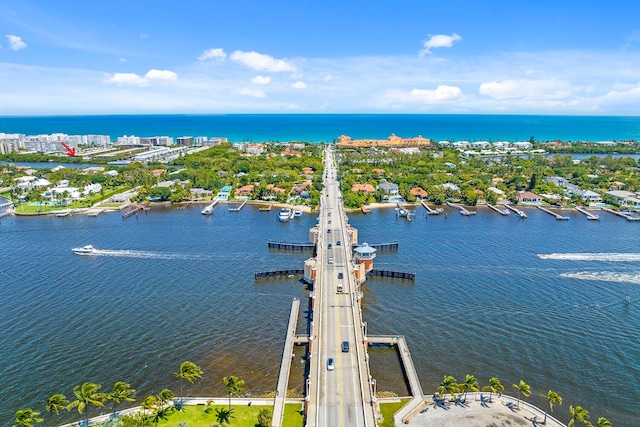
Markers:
<point>588,196</point>
<point>201,193</point>
<point>245,191</point>
<point>419,193</point>
<point>224,193</point>
<point>366,188</point>
<point>300,188</point>
<point>529,197</point>
<point>274,189</point>
<point>388,188</point>
<point>624,198</point>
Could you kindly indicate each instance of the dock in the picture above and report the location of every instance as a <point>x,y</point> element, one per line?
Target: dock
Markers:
<point>625,215</point>
<point>208,210</point>
<point>285,365</point>
<point>239,208</point>
<point>364,209</point>
<point>291,246</point>
<point>590,216</point>
<point>503,212</point>
<point>63,214</point>
<point>517,211</point>
<point>138,208</point>
<point>410,373</point>
<point>463,211</point>
<point>95,213</point>
<point>558,216</point>
<point>430,211</point>
<point>266,208</point>
<point>403,212</point>
<point>392,273</point>
<point>262,274</point>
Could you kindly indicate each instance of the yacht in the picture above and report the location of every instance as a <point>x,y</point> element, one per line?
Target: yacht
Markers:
<point>285,215</point>
<point>85,250</point>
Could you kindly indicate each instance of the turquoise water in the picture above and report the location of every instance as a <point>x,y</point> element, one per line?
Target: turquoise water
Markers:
<point>327,127</point>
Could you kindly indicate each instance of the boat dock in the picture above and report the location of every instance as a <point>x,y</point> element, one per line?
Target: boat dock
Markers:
<point>625,215</point>
<point>239,208</point>
<point>392,273</point>
<point>95,213</point>
<point>517,211</point>
<point>278,272</point>
<point>266,208</point>
<point>135,209</point>
<point>590,216</point>
<point>463,211</point>
<point>430,211</point>
<point>364,209</point>
<point>63,214</point>
<point>558,216</point>
<point>285,365</point>
<point>503,212</point>
<point>403,212</point>
<point>208,210</point>
<point>292,246</point>
<point>409,371</point>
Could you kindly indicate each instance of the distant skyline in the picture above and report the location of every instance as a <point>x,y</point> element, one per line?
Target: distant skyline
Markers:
<point>212,57</point>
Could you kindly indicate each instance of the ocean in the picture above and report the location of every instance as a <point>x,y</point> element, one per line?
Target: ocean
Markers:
<point>179,286</point>
<point>327,127</point>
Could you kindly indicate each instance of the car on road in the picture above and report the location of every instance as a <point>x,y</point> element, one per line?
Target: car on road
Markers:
<point>329,246</point>
<point>330,365</point>
<point>340,275</point>
<point>338,243</point>
<point>345,346</point>
<point>330,261</point>
<point>328,230</point>
<point>340,289</point>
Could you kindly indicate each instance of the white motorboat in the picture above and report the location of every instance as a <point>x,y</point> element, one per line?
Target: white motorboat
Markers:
<point>85,250</point>
<point>297,214</point>
<point>285,215</point>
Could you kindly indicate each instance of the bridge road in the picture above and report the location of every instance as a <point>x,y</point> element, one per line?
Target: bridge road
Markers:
<point>339,396</point>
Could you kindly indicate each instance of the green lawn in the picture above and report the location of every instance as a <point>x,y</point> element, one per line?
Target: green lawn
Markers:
<point>244,416</point>
<point>388,409</point>
<point>29,209</point>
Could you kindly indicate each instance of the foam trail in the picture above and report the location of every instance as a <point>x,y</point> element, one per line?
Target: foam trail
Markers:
<point>605,276</point>
<point>603,256</point>
<point>147,254</point>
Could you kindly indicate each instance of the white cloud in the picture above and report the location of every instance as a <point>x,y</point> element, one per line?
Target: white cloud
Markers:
<point>126,79</point>
<point>442,93</point>
<point>165,75</point>
<point>261,62</point>
<point>15,42</point>
<point>261,80</point>
<point>123,59</point>
<point>218,54</point>
<point>299,85</point>
<point>439,40</point>
<point>533,89</point>
<point>132,79</point>
<point>327,78</point>
<point>256,93</point>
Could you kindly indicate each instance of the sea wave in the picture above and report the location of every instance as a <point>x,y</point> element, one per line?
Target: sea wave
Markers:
<point>606,257</point>
<point>606,276</point>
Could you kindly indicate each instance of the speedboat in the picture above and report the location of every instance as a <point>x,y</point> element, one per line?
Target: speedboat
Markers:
<point>285,215</point>
<point>297,214</point>
<point>85,250</point>
<point>207,210</point>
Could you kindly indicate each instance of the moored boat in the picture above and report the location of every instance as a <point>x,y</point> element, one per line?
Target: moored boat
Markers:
<point>285,215</point>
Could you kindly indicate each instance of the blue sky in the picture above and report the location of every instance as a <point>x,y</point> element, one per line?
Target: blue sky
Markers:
<point>221,56</point>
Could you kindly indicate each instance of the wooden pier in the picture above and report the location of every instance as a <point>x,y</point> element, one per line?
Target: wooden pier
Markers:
<point>517,211</point>
<point>625,215</point>
<point>63,214</point>
<point>364,209</point>
<point>143,206</point>
<point>266,208</point>
<point>430,211</point>
<point>292,246</point>
<point>285,365</point>
<point>239,208</point>
<point>463,211</point>
<point>392,273</point>
<point>278,272</point>
<point>558,216</point>
<point>503,212</point>
<point>590,216</point>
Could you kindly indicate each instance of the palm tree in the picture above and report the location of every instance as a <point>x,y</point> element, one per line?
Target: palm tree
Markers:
<point>470,383</point>
<point>224,416</point>
<point>495,386</point>
<point>523,388</point>
<point>233,385</point>
<point>552,397</point>
<point>189,371</point>
<point>164,397</point>
<point>580,415</point>
<point>56,402</point>
<point>121,393</point>
<point>27,417</point>
<point>603,422</point>
<point>86,395</point>
<point>449,385</point>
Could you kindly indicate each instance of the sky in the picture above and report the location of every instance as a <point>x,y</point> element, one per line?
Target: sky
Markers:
<point>560,57</point>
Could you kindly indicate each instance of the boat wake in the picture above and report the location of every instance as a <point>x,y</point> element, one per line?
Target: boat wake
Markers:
<point>606,257</point>
<point>148,254</point>
<point>604,276</point>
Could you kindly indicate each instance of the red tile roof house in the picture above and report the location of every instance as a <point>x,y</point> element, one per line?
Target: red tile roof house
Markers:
<point>367,188</point>
<point>419,193</point>
<point>529,197</point>
<point>244,191</point>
